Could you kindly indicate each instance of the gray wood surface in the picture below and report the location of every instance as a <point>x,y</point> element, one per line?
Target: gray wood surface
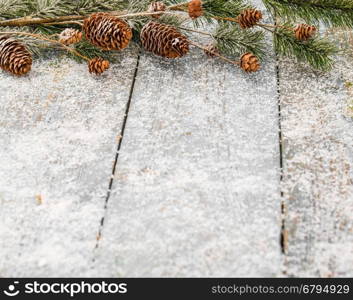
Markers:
<point>59,133</point>
<point>196,191</point>
<point>318,170</point>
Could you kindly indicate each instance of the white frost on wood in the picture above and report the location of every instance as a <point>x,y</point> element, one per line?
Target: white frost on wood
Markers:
<point>318,171</point>
<point>197,185</point>
<point>58,138</point>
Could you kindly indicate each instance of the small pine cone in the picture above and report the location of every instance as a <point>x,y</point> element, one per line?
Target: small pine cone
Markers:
<point>107,32</point>
<point>211,50</point>
<point>14,56</point>
<point>195,9</point>
<point>249,62</point>
<point>164,40</point>
<point>70,36</point>
<point>248,18</point>
<point>98,65</point>
<point>303,32</point>
<point>155,7</point>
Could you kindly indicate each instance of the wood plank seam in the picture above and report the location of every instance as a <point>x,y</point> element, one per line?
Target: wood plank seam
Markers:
<point>115,163</point>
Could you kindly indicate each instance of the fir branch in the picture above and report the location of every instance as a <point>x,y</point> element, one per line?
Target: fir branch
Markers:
<point>317,52</point>
<point>12,9</point>
<point>221,8</point>
<point>330,12</point>
<point>233,41</point>
<point>87,49</point>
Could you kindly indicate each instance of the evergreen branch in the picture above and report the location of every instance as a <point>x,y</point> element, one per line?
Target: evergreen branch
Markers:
<point>233,41</point>
<point>330,12</point>
<point>221,8</point>
<point>46,39</point>
<point>90,51</point>
<point>317,52</point>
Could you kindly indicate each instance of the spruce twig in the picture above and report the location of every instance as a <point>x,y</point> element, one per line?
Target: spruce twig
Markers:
<point>43,38</point>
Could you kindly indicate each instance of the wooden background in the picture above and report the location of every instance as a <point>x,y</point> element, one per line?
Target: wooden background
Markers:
<point>176,168</point>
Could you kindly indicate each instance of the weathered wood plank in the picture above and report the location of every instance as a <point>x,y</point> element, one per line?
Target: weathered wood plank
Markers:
<point>197,185</point>
<point>318,171</point>
<point>58,137</point>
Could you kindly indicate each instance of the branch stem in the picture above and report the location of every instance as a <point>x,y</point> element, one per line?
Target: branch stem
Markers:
<point>196,31</point>
<point>215,53</point>
<point>43,38</point>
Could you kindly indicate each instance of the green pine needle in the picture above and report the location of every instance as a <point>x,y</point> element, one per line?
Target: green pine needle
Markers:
<point>317,52</point>
<point>234,41</point>
<point>330,12</point>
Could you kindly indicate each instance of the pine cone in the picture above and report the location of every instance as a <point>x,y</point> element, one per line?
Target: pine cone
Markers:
<point>14,57</point>
<point>164,40</point>
<point>248,18</point>
<point>107,32</point>
<point>70,36</point>
<point>303,32</point>
<point>98,65</point>
<point>157,6</point>
<point>249,62</point>
<point>195,9</point>
<point>211,50</point>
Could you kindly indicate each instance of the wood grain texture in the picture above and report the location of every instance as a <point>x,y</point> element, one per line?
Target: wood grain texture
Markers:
<point>58,136</point>
<point>196,191</point>
<point>318,171</point>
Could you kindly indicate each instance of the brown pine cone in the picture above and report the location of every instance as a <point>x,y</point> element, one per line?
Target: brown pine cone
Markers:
<point>107,32</point>
<point>155,7</point>
<point>70,36</point>
<point>303,32</point>
<point>248,18</point>
<point>14,56</point>
<point>249,62</point>
<point>195,9</point>
<point>164,40</point>
<point>98,65</point>
<point>211,50</point>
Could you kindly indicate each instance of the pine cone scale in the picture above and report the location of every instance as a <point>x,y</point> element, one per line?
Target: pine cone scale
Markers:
<point>164,40</point>
<point>249,62</point>
<point>98,65</point>
<point>14,57</point>
<point>195,9</point>
<point>156,7</point>
<point>304,32</point>
<point>249,18</point>
<point>107,32</point>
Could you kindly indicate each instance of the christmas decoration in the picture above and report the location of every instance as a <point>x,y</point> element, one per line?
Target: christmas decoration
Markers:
<point>164,40</point>
<point>14,57</point>
<point>111,24</point>
<point>155,7</point>
<point>98,65</point>
<point>70,36</point>
<point>195,9</point>
<point>248,18</point>
<point>303,32</point>
<point>249,62</point>
<point>107,31</point>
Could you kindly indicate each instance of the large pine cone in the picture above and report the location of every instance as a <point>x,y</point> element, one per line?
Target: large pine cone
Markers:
<point>249,62</point>
<point>303,32</point>
<point>248,18</point>
<point>107,32</point>
<point>164,40</point>
<point>14,57</point>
